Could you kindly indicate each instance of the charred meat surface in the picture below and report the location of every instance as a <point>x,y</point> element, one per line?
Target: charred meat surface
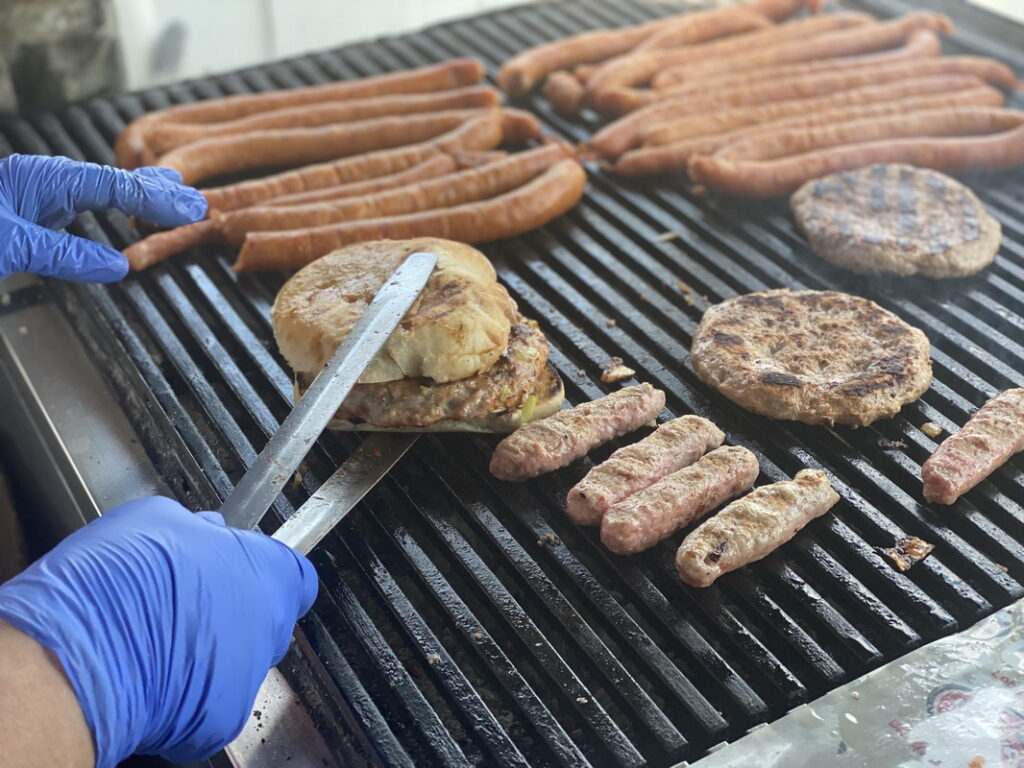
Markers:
<point>545,445</point>
<point>988,439</point>
<point>820,357</point>
<point>899,220</point>
<point>674,445</point>
<point>754,526</point>
<point>655,513</point>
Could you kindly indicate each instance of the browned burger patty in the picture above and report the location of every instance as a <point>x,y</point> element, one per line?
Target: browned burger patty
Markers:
<point>675,501</point>
<point>545,445</point>
<point>422,402</point>
<point>820,357</point>
<point>897,219</point>
<point>754,526</point>
<point>988,439</point>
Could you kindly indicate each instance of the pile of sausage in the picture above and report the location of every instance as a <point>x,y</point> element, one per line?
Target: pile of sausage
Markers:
<point>407,154</point>
<point>755,108</point>
<point>647,491</point>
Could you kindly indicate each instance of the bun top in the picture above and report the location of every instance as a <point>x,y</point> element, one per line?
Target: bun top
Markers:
<point>459,326</point>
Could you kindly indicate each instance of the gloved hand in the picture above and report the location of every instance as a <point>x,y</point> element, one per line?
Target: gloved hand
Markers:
<point>165,622</point>
<point>39,195</point>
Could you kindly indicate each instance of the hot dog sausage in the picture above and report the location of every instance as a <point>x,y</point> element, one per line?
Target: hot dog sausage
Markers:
<point>534,204</point>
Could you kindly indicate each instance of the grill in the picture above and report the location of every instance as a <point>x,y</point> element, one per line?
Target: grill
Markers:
<point>466,622</point>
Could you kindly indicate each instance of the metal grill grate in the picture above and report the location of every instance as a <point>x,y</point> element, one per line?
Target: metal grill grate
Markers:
<point>463,621</point>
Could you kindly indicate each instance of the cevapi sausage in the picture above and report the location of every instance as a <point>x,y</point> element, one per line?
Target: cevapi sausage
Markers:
<point>432,167</point>
<point>164,137</point>
<point>455,189</point>
<point>921,44</point>
<point>754,526</point>
<point>625,133</point>
<point>284,147</point>
<point>642,66</point>
<point>558,440</point>
<point>872,37</point>
<point>672,446</point>
<point>456,73</point>
<point>534,204</point>
<point>993,434</point>
<point>696,28</point>
<point>938,145</point>
<point>157,247</point>
<point>656,158</point>
<point>484,132</point>
<point>669,505</point>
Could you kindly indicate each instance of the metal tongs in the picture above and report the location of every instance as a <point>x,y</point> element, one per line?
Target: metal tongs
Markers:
<point>279,460</point>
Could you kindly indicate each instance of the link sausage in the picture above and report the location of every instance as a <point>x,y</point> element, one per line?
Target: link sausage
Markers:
<point>667,158</point>
<point>534,204</point>
<point>456,73</point>
<point>655,513</point>
<point>564,92</point>
<point>558,440</point>
<point>674,445</point>
<point>754,526</point>
<point>944,141</point>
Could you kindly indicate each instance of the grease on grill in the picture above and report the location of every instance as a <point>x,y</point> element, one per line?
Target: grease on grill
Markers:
<point>614,371</point>
<point>908,552</point>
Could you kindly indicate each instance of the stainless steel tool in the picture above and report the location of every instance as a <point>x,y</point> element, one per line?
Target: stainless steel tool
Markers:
<point>278,461</point>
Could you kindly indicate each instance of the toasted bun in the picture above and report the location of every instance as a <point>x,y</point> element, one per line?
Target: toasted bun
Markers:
<point>458,327</point>
<point>549,394</point>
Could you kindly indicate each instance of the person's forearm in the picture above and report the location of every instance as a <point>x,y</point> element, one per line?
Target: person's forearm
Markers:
<point>41,723</point>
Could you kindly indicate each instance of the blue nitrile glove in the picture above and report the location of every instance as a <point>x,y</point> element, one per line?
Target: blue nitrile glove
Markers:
<point>39,195</point>
<point>165,622</point>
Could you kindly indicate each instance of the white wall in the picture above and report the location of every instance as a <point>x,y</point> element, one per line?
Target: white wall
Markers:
<point>220,35</point>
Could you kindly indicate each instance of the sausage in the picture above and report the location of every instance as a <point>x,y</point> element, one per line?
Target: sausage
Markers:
<point>674,445</point>
<point>534,204</point>
<point>164,137</point>
<point>519,126</point>
<point>850,42</point>
<point>478,157</point>
<point>285,147</point>
<point>432,167</point>
<point>484,132</point>
<point>655,513</point>
<point>564,92</point>
<point>921,44</point>
<point>993,434</point>
<point>154,248</point>
<point>807,87</point>
<point>655,157</point>
<point>642,66</point>
<point>701,26</point>
<point>626,132</point>
<point>445,192</point>
<point>520,74</point>
<point>558,440</point>
<point>456,73</point>
<point>754,526</point>
<point>944,141</point>
<point>693,29</point>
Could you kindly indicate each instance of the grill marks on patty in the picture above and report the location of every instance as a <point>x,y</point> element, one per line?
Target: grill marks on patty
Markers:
<point>821,357</point>
<point>897,219</point>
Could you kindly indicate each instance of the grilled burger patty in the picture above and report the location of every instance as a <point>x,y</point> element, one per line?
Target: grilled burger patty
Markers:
<point>820,357</point>
<point>421,402</point>
<point>897,219</point>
